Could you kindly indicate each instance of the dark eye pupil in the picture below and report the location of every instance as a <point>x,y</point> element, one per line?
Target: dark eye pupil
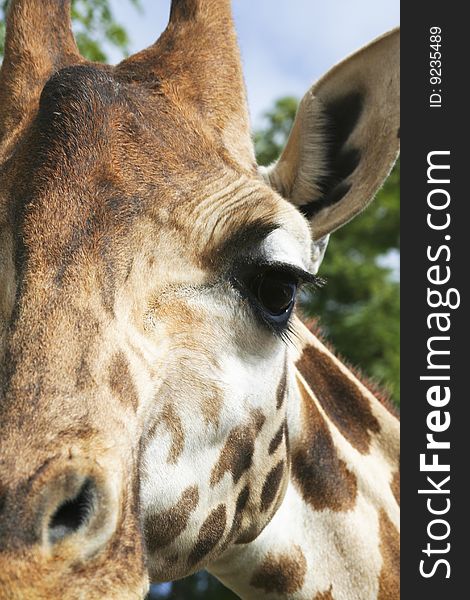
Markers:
<point>276,292</point>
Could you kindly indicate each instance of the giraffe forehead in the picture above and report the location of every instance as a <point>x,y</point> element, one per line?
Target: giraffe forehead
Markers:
<point>250,214</point>
<point>105,161</point>
<point>108,180</point>
<point>99,155</point>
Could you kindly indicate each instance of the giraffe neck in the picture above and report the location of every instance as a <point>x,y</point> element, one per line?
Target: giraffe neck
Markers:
<point>335,534</point>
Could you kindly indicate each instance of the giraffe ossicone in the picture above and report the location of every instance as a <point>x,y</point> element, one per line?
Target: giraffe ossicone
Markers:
<point>162,408</point>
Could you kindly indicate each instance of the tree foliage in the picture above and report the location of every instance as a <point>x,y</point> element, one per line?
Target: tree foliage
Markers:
<point>94,27</point>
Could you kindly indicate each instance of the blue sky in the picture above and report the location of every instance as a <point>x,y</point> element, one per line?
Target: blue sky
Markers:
<point>285,44</point>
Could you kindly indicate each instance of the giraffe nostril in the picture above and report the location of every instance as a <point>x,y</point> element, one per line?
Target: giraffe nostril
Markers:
<point>73,513</point>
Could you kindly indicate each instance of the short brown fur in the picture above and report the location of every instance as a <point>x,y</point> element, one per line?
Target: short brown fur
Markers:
<point>281,574</point>
<point>151,420</point>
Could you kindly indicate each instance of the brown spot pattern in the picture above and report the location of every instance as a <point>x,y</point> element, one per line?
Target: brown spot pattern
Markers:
<point>281,574</point>
<point>212,404</point>
<point>237,454</point>
<point>324,595</point>
<point>395,486</point>
<point>210,534</point>
<point>281,388</point>
<point>250,532</point>
<point>382,395</point>
<point>341,399</point>
<point>120,381</point>
<point>389,581</point>
<point>277,439</point>
<point>169,419</point>
<point>242,501</point>
<point>258,419</point>
<point>321,476</point>
<point>271,485</point>
<point>172,560</point>
<point>162,528</point>
<point>83,373</point>
<point>172,422</point>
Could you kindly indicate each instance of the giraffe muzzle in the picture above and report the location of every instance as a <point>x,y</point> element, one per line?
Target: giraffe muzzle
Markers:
<point>71,510</point>
<point>65,526</point>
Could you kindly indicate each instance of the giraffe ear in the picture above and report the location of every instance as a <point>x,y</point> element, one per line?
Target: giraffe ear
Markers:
<point>345,138</point>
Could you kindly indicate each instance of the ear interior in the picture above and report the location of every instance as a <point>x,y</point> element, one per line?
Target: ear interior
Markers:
<point>345,138</point>
<point>341,117</point>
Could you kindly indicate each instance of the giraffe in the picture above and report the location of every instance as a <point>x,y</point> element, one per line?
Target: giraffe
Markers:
<point>162,407</point>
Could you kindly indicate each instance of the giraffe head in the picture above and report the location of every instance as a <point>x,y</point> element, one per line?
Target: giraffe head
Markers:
<point>148,272</point>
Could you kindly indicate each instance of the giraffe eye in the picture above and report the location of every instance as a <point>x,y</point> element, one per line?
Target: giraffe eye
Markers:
<point>272,290</point>
<point>275,291</point>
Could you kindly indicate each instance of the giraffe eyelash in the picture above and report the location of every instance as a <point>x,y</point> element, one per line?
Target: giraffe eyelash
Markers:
<point>289,333</point>
<point>271,288</point>
<point>304,277</point>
